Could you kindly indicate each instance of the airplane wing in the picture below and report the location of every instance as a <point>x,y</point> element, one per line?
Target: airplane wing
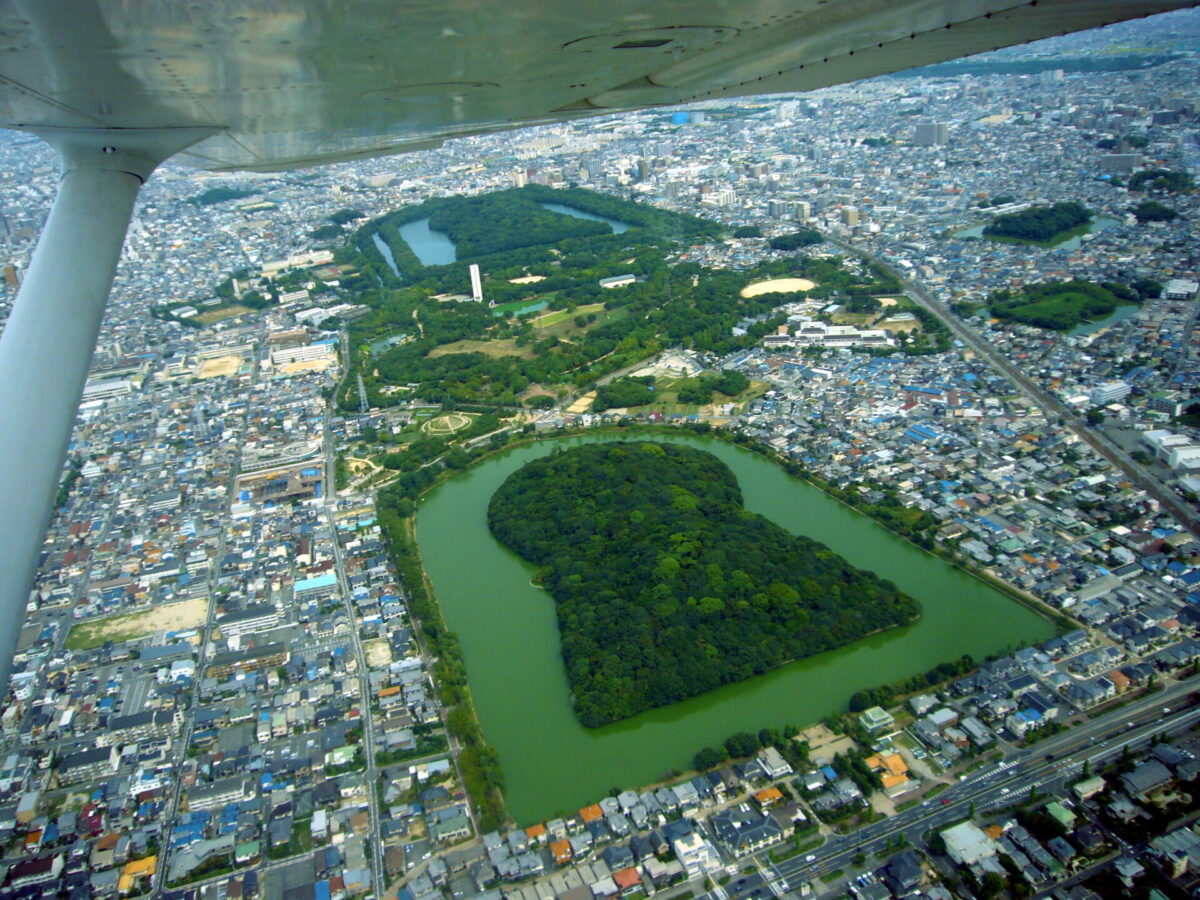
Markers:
<point>292,83</point>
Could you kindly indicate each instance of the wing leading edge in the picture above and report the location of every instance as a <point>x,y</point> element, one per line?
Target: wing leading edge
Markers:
<point>303,82</point>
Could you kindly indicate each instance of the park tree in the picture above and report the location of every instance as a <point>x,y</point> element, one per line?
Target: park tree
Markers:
<point>708,758</point>
<point>741,744</point>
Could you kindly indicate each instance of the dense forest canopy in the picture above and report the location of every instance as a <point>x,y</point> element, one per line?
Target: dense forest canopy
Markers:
<point>495,223</point>
<point>462,352</point>
<point>1039,223</point>
<point>624,392</point>
<point>658,223</point>
<point>665,586</point>
<point>509,220</point>
<point>1153,211</point>
<point>1164,180</point>
<point>803,237</point>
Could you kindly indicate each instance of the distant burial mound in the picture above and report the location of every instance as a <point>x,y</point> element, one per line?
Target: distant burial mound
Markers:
<point>1039,224</point>
<point>665,586</point>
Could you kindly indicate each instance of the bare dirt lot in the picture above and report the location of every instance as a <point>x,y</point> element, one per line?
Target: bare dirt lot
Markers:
<point>308,365</point>
<point>378,653</point>
<point>222,312</point>
<point>221,366</point>
<point>143,623</point>
<point>824,744</point>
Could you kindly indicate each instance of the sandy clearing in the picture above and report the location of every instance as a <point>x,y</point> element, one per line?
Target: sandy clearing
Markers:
<point>778,286</point>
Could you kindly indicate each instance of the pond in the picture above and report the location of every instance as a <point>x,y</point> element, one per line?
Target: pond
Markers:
<point>386,252</point>
<point>510,642</point>
<point>1124,311</point>
<point>433,248</point>
<point>1072,241</point>
<point>519,308</point>
<point>617,226</point>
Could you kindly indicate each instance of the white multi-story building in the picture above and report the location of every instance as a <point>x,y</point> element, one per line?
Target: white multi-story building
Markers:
<point>696,854</point>
<point>1108,392</point>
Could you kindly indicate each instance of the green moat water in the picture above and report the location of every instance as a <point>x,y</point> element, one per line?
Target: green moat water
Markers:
<point>510,643</point>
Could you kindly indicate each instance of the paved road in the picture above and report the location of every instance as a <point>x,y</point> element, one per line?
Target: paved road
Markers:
<point>1097,742</point>
<point>371,778</point>
<point>193,693</point>
<point>1185,344</point>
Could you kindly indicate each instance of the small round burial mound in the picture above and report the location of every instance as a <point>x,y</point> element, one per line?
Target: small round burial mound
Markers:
<point>447,424</point>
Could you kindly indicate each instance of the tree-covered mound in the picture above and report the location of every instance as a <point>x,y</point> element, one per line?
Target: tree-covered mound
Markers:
<point>515,219</point>
<point>1162,180</point>
<point>1060,305</point>
<point>1039,223</point>
<point>804,237</point>
<point>1153,211</point>
<point>665,586</point>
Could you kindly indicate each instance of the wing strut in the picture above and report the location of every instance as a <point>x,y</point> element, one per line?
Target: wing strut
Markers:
<point>47,343</point>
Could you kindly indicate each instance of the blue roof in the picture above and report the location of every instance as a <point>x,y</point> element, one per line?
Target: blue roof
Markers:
<point>321,581</point>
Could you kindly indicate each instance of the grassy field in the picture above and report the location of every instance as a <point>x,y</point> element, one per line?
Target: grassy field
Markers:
<point>221,312</point>
<point>505,347</point>
<point>564,326</point>
<point>559,315</point>
<point>861,320</point>
<point>559,324</point>
<point>894,303</point>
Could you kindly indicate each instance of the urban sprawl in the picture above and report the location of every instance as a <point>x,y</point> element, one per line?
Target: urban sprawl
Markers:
<point>221,691</point>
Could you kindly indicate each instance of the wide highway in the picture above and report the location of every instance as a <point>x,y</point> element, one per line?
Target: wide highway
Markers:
<point>1046,766</point>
